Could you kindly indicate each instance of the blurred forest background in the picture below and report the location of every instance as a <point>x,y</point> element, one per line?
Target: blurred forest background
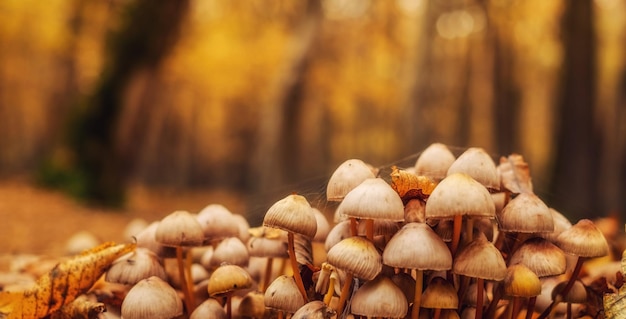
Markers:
<point>265,97</point>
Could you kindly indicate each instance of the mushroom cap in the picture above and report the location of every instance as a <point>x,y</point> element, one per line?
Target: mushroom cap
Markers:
<point>406,283</point>
<point>179,228</point>
<point>231,251</point>
<point>315,309</point>
<point>252,305</point>
<point>336,234</point>
<point>577,294</point>
<point>407,248</point>
<point>440,294</point>
<point>541,256</point>
<point>480,259</point>
<point>131,268</point>
<point>283,294</point>
<point>323,226</point>
<point>151,298</point>
<point>561,223</point>
<point>471,296</point>
<point>415,211</point>
<point>381,298</point>
<point>372,199</point>
<point>526,213</point>
<point>357,256</point>
<point>346,177</point>
<point>520,281</point>
<point>459,194</point>
<point>217,222</point>
<point>583,239</point>
<point>267,247</point>
<point>434,161</point>
<point>227,278</point>
<point>479,165</point>
<point>209,308</point>
<point>292,214</point>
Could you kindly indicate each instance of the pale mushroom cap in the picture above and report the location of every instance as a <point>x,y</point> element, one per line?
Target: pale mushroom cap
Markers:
<point>131,268</point>
<point>440,294</point>
<point>252,305</point>
<point>480,259</point>
<point>459,194</point>
<point>266,247</point>
<point>521,282</point>
<point>577,294</point>
<point>583,239</point>
<point>227,278</point>
<point>357,256</point>
<point>471,296</point>
<point>379,297</point>
<point>434,161</point>
<point>526,213</point>
<point>409,246</point>
<point>179,228</point>
<point>209,308</point>
<point>315,309</point>
<point>373,199</point>
<point>346,177</point>
<point>151,298</point>
<point>217,222</point>
<point>561,223</point>
<point>231,251</point>
<point>293,214</point>
<point>336,234</point>
<point>541,256</point>
<point>415,211</point>
<point>323,226</point>
<point>283,294</point>
<point>479,165</point>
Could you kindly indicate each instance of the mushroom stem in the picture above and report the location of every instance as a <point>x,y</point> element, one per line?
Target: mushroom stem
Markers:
<point>479,297</point>
<point>566,289</point>
<point>268,273</point>
<point>345,291</point>
<point>181,274</point>
<point>531,307</point>
<point>419,280</point>
<point>353,227</point>
<point>329,293</point>
<point>497,295</point>
<point>515,307</point>
<point>437,313</point>
<point>280,314</point>
<point>229,306</point>
<point>294,266</point>
<point>192,301</point>
<point>369,229</point>
<point>456,234</point>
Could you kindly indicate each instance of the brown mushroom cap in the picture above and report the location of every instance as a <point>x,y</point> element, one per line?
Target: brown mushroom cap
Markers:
<point>357,256</point>
<point>372,199</point>
<point>526,213</point>
<point>218,222</point>
<point>440,294</point>
<point>583,239</point>
<point>293,214</point>
<point>577,294</point>
<point>209,308</point>
<point>541,256</point>
<point>561,223</point>
<point>379,297</point>
<point>521,282</point>
<point>459,194</point>
<point>479,165</point>
<point>346,177</point>
<point>231,251</point>
<point>315,309</point>
<point>131,268</point>
<point>283,294</point>
<point>179,228</point>
<point>151,298</point>
<point>407,248</point>
<point>252,305</point>
<point>434,161</point>
<point>480,259</point>
<point>227,278</point>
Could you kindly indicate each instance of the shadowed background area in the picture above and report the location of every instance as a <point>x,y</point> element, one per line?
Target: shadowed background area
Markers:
<point>265,98</point>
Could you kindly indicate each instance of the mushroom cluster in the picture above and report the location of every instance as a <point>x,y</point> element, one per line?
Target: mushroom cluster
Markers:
<point>451,237</point>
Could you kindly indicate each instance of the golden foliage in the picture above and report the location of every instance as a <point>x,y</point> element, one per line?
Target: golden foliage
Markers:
<point>409,185</point>
<point>63,284</point>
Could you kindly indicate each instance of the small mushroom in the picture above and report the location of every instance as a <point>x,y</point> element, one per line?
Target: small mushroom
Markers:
<point>151,298</point>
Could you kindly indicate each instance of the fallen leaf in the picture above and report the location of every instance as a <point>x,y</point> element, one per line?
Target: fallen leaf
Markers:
<point>515,174</point>
<point>409,186</point>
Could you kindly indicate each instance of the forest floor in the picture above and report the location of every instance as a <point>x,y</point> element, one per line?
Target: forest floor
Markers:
<point>40,221</point>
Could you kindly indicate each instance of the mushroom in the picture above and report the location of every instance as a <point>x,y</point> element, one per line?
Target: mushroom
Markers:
<point>358,257</point>
<point>229,250</point>
<point>131,268</point>
<point>403,252</point>
<point>217,223</point>
<point>379,297</point>
<point>439,294</point>
<point>314,310</point>
<point>151,298</point>
<point>209,308</point>
<point>584,240</point>
<point>181,229</point>
<point>370,200</point>
<point>269,243</point>
<point>479,165</point>
<point>346,177</point>
<point>576,295</point>
<point>294,215</point>
<point>520,282</point>
<point>252,305</point>
<point>434,161</point>
<point>282,295</point>
<point>227,279</point>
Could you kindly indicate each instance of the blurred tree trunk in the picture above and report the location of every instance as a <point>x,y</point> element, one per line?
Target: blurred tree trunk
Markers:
<point>575,182</point>
<point>278,139</point>
<point>146,34</point>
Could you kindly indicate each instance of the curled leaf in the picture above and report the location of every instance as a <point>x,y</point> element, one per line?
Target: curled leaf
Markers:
<point>83,307</point>
<point>409,185</point>
<point>515,174</point>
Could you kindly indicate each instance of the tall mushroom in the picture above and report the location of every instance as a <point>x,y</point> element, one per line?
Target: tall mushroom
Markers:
<point>402,251</point>
<point>293,214</point>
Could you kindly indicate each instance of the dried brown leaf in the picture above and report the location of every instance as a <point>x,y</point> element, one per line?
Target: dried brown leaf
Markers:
<point>515,174</point>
